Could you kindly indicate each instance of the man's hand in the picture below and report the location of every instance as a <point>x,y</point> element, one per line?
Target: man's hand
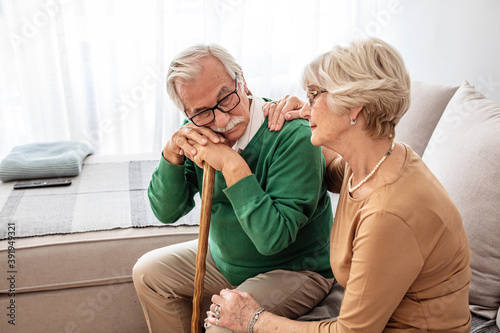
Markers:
<point>181,143</point>
<point>221,157</point>
<point>285,109</point>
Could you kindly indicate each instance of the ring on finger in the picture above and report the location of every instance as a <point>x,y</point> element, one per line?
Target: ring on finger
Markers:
<point>217,321</point>
<point>217,309</point>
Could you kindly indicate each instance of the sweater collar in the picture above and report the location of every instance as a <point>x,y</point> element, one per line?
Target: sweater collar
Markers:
<point>256,120</point>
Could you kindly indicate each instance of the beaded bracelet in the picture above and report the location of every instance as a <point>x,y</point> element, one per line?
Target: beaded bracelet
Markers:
<point>254,319</point>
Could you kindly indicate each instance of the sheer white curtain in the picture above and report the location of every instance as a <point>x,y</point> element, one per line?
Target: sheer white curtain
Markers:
<point>95,69</point>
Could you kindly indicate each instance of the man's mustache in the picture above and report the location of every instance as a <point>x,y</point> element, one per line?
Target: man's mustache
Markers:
<point>233,121</point>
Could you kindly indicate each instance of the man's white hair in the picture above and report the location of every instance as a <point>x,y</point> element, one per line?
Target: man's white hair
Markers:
<point>186,66</point>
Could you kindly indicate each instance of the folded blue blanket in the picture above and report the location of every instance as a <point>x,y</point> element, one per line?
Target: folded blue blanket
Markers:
<point>45,160</point>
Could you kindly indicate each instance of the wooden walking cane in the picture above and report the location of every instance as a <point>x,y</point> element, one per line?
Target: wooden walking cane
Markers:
<point>206,209</point>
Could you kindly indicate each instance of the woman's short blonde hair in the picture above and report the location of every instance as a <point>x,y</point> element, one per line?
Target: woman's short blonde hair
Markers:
<point>369,73</point>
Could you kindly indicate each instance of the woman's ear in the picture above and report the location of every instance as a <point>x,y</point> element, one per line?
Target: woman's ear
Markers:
<point>353,114</point>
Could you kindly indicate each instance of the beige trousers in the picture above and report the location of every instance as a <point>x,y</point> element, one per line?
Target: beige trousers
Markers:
<point>164,281</point>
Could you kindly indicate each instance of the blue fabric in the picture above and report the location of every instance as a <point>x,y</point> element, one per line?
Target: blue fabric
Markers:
<point>45,160</point>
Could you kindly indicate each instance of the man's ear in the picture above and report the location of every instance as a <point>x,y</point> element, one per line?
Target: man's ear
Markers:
<point>245,87</point>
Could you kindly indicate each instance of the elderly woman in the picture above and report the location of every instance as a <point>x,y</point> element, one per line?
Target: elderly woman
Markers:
<point>397,244</point>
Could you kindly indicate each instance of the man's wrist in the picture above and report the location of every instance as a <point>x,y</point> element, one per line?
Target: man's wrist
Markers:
<point>235,170</point>
<point>173,158</point>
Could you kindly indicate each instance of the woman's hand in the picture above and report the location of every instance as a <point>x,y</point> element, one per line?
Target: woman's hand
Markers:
<point>182,141</point>
<point>287,108</point>
<point>234,310</point>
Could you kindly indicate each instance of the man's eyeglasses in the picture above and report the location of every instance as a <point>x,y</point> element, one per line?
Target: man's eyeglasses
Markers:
<point>312,94</point>
<point>227,104</point>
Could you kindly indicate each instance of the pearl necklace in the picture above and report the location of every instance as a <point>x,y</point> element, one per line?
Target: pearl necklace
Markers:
<point>371,173</point>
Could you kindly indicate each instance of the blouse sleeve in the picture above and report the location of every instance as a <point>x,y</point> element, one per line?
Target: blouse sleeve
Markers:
<point>386,260</point>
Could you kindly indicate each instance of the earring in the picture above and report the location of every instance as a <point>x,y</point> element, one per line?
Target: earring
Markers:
<point>353,121</point>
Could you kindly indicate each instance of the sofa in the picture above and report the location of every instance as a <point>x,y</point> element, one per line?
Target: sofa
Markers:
<point>74,248</point>
<point>464,154</point>
<point>80,280</point>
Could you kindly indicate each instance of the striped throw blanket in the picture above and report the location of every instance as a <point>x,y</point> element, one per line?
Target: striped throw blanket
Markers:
<point>104,196</point>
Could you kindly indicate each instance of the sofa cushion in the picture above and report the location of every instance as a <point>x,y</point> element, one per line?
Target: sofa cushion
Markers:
<point>483,325</point>
<point>428,102</point>
<point>464,154</point>
<point>498,318</point>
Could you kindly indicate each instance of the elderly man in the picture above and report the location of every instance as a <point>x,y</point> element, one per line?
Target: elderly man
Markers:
<point>271,214</point>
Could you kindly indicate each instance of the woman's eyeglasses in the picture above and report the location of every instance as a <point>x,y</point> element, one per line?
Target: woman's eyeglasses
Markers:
<point>312,94</point>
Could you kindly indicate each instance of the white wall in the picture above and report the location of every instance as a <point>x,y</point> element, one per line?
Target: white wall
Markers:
<point>444,41</point>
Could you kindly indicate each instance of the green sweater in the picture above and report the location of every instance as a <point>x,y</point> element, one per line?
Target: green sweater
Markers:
<point>277,218</point>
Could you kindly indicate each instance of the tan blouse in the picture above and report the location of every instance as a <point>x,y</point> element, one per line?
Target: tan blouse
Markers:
<point>402,255</point>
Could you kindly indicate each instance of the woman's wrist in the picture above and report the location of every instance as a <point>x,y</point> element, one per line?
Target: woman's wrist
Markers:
<point>254,319</point>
